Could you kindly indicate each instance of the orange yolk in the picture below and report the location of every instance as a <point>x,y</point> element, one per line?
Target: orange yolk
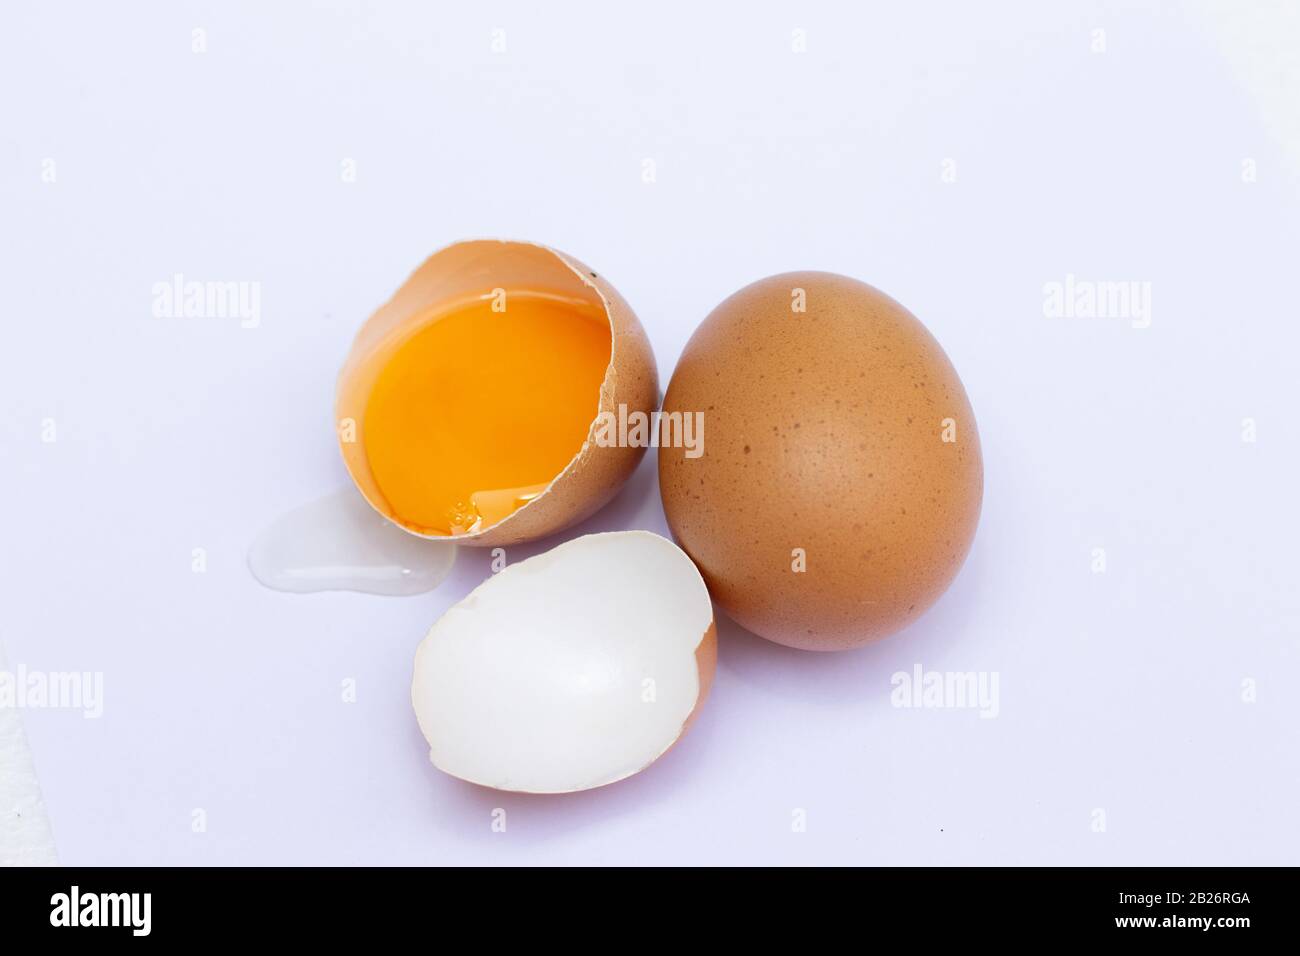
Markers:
<point>477,411</point>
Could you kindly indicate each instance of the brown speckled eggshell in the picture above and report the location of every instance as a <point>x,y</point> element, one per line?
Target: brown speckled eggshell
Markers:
<point>823,431</point>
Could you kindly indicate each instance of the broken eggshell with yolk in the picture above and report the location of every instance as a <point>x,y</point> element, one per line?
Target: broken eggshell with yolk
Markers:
<point>469,404</point>
<point>570,670</point>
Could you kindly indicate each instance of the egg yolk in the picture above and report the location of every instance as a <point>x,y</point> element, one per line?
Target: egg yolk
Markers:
<point>473,414</point>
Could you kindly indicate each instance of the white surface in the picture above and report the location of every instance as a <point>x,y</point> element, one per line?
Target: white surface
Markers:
<point>25,837</point>
<point>226,736</point>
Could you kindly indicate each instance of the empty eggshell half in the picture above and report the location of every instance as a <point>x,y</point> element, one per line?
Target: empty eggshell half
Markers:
<point>469,406</point>
<point>569,670</point>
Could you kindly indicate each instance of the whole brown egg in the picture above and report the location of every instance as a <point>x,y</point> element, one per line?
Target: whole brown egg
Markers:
<point>830,482</point>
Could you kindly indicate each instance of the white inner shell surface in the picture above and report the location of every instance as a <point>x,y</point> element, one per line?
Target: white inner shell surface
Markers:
<point>570,670</point>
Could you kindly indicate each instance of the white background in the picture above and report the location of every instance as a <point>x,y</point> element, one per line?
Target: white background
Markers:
<point>1120,691</point>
